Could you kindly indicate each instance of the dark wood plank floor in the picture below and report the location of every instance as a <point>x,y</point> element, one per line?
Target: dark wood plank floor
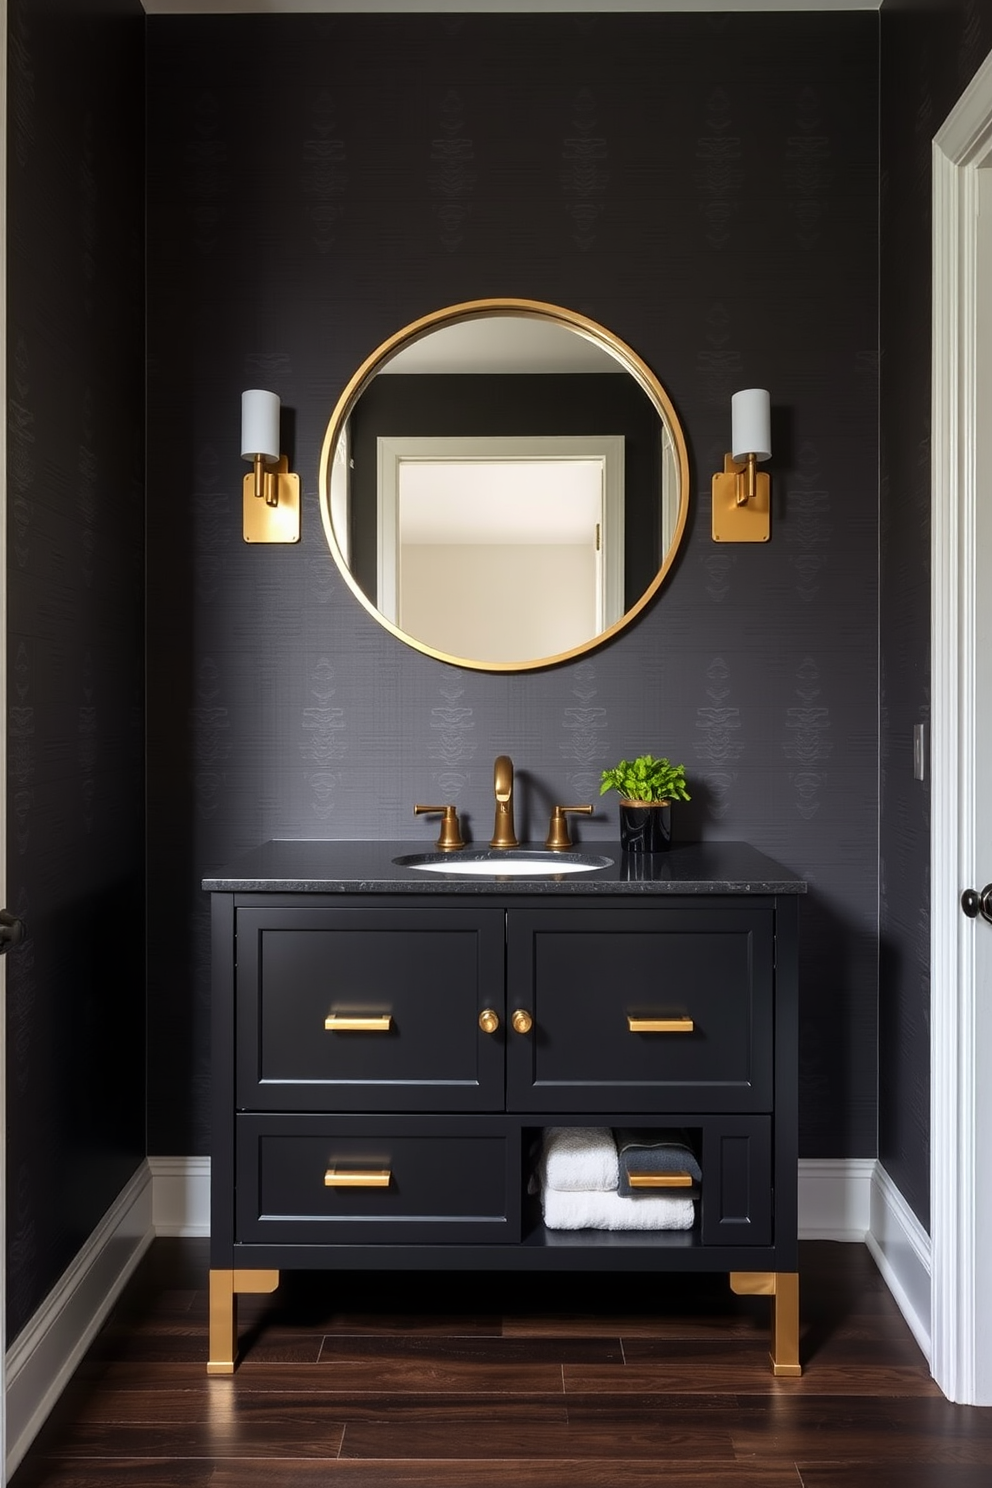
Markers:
<point>481,1381</point>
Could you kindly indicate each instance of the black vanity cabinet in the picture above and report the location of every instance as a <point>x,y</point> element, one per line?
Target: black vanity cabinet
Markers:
<point>387,1053</point>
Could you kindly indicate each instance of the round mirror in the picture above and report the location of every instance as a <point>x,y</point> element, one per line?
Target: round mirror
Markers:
<point>504,484</point>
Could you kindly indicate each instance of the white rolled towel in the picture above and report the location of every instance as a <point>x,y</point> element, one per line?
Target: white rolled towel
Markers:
<point>579,1159</point>
<point>613,1211</point>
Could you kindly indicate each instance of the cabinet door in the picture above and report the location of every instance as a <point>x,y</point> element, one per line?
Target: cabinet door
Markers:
<point>362,1009</point>
<point>737,1181</point>
<point>640,1009</point>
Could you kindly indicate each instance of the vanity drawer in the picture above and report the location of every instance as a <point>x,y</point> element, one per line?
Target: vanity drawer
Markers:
<point>358,1009</point>
<point>641,1010</point>
<point>375,1181</point>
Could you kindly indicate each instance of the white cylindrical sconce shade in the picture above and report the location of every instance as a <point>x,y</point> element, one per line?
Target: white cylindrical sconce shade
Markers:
<point>751,421</point>
<point>259,424</point>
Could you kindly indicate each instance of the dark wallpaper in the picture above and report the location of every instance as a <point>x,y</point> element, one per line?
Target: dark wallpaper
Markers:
<point>931,49</point>
<point>699,185</point>
<point>75,669</point>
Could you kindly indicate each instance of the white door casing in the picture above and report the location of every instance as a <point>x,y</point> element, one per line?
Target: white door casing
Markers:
<point>961,786</point>
<point>3,739</point>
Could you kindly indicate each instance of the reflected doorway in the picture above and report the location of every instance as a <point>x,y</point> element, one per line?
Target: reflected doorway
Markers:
<point>501,548</point>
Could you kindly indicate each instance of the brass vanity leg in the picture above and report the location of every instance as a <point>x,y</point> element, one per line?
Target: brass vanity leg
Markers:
<point>224,1289</point>
<point>785,1325</point>
<point>783,1288</point>
<point>223,1323</point>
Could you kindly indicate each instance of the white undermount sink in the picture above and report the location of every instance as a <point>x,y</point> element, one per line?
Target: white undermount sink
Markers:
<point>504,862</point>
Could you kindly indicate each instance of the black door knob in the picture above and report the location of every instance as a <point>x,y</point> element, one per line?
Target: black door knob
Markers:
<point>975,903</point>
<point>11,931</point>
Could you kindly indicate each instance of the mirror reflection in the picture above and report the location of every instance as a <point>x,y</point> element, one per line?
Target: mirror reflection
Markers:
<point>504,484</point>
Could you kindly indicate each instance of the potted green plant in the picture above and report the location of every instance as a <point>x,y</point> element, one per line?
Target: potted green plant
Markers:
<point>646,787</point>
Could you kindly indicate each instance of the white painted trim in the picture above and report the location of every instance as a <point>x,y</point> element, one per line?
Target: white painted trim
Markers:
<point>835,1198</point>
<point>180,1195</point>
<point>961,1305</point>
<point>953,377</point>
<point>42,1358</point>
<point>901,1249</point>
<point>3,734</point>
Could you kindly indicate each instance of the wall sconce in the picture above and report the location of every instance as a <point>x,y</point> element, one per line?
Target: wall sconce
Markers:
<point>271,495</point>
<point>742,493</point>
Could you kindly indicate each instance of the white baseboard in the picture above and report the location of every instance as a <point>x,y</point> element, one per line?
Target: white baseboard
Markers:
<point>835,1198</point>
<point>180,1195</point>
<point>850,1199</point>
<point>42,1358</point>
<point>901,1248</point>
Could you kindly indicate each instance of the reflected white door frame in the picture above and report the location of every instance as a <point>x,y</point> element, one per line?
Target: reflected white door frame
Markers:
<point>961,791</point>
<point>531,521</point>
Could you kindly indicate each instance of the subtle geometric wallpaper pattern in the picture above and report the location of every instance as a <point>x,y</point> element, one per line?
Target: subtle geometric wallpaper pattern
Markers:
<point>698,184</point>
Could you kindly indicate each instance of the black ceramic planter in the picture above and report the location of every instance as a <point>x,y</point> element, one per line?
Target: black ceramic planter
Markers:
<point>645,826</point>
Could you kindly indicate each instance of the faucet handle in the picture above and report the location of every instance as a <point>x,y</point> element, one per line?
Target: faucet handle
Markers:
<point>558,839</point>
<point>450,836</point>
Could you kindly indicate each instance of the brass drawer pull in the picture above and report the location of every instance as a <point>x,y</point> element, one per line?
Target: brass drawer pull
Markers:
<point>522,1021</point>
<point>489,1020</point>
<point>374,1178</point>
<point>660,1180</point>
<point>660,1025</point>
<point>345,1023</point>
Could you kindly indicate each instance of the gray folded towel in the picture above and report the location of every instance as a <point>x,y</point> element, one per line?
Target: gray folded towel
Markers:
<point>655,1153</point>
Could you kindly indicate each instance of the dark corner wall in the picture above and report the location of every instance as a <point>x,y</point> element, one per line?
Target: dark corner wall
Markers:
<point>700,185</point>
<point>930,51</point>
<point>75,667</point>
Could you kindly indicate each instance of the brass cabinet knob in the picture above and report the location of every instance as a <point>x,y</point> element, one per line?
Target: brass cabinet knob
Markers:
<point>522,1021</point>
<point>488,1020</point>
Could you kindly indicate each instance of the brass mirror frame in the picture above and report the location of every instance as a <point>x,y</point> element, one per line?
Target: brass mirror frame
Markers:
<point>477,310</point>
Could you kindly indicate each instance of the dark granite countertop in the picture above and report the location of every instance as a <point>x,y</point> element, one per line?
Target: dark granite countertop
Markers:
<point>311,866</point>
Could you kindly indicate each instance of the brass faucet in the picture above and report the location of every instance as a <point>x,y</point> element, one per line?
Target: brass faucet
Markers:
<point>503,832</point>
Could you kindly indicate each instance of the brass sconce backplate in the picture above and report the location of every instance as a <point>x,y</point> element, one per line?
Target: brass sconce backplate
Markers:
<point>280,522</point>
<point>745,521</point>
